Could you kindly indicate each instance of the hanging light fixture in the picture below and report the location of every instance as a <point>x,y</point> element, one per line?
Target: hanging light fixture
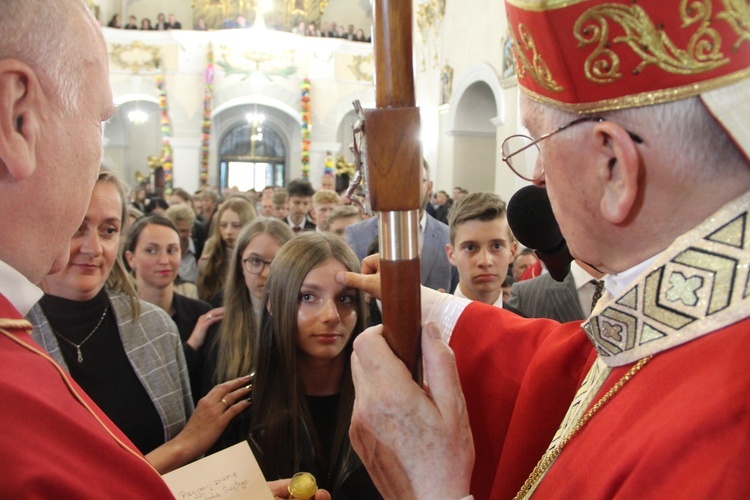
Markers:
<point>137,116</point>
<point>256,119</point>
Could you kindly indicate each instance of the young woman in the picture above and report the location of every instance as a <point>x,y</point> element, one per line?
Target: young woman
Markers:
<point>152,251</point>
<point>233,345</point>
<point>303,393</point>
<point>233,215</point>
<point>125,353</point>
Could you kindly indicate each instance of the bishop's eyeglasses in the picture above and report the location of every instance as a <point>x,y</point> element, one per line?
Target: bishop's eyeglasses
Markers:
<point>520,151</point>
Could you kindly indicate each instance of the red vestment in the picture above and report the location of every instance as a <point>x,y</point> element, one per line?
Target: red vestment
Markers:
<point>50,445</point>
<point>680,428</point>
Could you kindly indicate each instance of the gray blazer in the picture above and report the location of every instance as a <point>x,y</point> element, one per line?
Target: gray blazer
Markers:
<point>153,347</point>
<point>543,297</point>
<point>435,269</point>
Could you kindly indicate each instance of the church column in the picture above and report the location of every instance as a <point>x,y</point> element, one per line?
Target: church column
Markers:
<point>186,162</point>
<point>506,182</point>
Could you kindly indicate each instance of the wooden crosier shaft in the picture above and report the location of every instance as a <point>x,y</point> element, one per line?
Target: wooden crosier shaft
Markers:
<point>394,166</point>
<point>394,77</point>
<point>401,310</point>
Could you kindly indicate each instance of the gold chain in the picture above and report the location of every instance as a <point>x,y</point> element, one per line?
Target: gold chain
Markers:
<point>79,356</point>
<point>546,461</point>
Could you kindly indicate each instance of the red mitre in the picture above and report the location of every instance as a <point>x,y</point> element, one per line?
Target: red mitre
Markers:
<point>589,56</point>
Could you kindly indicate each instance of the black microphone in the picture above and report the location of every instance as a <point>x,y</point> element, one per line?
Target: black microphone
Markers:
<point>533,223</point>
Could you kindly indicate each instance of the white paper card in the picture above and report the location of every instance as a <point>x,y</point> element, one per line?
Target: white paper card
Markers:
<point>230,474</point>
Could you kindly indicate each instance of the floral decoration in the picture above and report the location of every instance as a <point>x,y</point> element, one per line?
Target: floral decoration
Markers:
<point>306,126</point>
<point>166,131</point>
<point>208,90</point>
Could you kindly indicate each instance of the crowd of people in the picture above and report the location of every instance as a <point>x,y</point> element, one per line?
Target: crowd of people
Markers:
<point>163,23</point>
<point>139,334</point>
<point>332,30</point>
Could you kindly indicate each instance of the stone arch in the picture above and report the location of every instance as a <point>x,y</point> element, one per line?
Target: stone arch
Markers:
<point>475,109</point>
<point>280,116</point>
<point>468,88</point>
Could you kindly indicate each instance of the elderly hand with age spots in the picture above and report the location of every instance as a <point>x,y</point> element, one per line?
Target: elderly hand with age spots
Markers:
<point>415,442</point>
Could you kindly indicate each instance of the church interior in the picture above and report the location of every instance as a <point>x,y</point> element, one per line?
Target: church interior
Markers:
<point>264,105</point>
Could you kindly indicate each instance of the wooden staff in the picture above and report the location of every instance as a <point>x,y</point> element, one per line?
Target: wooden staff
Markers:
<point>394,170</point>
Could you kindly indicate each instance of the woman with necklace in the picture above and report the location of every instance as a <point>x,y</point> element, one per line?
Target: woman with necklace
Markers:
<point>126,354</point>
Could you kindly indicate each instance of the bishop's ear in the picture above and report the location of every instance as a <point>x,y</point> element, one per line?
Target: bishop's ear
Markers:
<point>619,170</point>
<point>20,102</point>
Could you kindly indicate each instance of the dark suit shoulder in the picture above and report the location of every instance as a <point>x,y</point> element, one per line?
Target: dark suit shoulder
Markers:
<point>513,310</point>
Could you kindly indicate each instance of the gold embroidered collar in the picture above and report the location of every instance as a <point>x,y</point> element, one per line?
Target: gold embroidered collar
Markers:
<point>701,283</point>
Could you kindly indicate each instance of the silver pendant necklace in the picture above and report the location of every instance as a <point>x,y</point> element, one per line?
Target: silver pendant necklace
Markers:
<point>78,346</point>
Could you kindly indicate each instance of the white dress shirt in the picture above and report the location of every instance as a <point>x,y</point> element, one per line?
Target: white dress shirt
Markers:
<point>19,291</point>
<point>459,293</point>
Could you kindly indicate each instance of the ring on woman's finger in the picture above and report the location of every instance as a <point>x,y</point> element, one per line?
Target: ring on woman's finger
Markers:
<point>225,402</point>
<point>209,316</point>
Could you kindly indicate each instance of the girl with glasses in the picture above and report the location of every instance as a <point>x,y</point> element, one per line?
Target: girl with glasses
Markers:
<point>232,347</point>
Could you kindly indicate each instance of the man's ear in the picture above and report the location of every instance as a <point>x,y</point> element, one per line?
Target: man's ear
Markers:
<point>449,253</point>
<point>618,168</point>
<point>20,95</point>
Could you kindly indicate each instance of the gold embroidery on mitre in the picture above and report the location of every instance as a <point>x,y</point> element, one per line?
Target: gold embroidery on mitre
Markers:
<point>648,41</point>
<point>737,14</point>
<point>646,98</point>
<point>536,68</point>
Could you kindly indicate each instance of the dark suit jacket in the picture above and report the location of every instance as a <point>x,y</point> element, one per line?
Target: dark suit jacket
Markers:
<point>441,212</point>
<point>199,235</point>
<point>435,269</point>
<point>309,225</point>
<point>543,297</point>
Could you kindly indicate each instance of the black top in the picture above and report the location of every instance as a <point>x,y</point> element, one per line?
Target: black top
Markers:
<point>187,312</point>
<point>323,410</point>
<point>209,363</point>
<point>105,373</point>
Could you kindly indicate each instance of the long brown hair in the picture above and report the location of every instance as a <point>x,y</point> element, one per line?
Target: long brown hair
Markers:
<point>238,332</point>
<point>213,275</point>
<point>119,280</point>
<point>280,411</point>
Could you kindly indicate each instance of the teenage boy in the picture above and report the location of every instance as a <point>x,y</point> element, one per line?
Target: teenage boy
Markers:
<point>323,201</point>
<point>280,201</point>
<point>300,202</point>
<point>481,247</point>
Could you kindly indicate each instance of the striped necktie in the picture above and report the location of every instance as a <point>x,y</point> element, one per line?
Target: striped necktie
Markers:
<point>598,288</point>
